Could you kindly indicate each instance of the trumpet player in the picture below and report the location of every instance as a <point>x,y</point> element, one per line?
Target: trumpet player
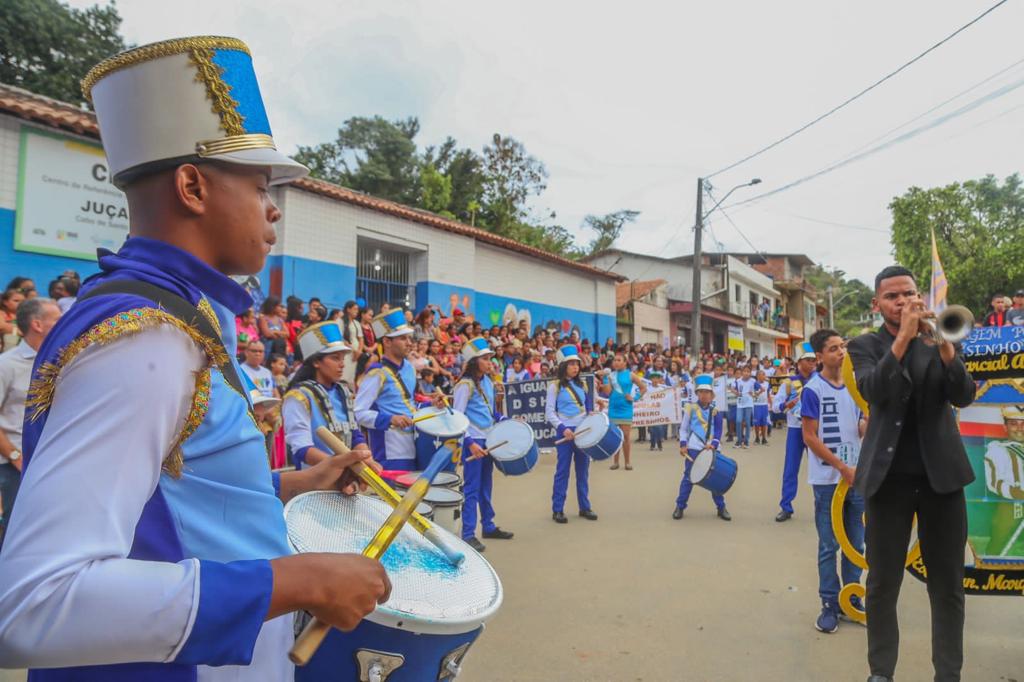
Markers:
<point>912,461</point>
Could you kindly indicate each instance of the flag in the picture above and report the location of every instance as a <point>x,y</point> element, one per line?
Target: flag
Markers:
<point>939,284</point>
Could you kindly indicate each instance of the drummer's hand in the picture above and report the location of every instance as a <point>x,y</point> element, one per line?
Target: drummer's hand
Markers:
<point>400,421</point>
<point>478,452</point>
<point>439,399</point>
<point>848,473</point>
<point>334,473</point>
<point>339,589</point>
<point>568,434</point>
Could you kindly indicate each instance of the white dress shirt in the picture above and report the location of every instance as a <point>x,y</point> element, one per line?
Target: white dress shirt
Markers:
<point>15,375</point>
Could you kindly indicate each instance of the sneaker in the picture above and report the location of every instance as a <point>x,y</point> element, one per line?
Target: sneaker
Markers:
<point>678,513</point>
<point>783,516</point>
<point>498,534</point>
<point>828,619</point>
<point>475,544</point>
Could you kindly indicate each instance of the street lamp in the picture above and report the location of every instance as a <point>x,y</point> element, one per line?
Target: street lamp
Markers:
<point>697,234</point>
<point>831,305</point>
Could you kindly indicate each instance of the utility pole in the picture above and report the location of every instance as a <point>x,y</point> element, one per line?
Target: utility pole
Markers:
<point>831,314</point>
<point>698,232</point>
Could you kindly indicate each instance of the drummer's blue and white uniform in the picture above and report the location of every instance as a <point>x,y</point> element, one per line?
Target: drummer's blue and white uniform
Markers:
<point>139,547</point>
<point>565,408</point>
<point>790,390</point>
<point>387,390</point>
<point>700,426</point>
<point>476,401</point>
<point>309,405</point>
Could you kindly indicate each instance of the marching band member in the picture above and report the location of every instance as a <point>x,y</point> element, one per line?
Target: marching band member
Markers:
<point>787,400</point>
<point>317,396</point>
<point>1004,478</point>
<point>700,430</point>
<point>475,397</point>
<point>385,399</point>
<point>180,569</point>
<point>567,404</point>
<point>622,387</point>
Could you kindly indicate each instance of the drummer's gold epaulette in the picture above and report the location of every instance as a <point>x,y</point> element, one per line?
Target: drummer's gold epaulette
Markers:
<point>298,394</point>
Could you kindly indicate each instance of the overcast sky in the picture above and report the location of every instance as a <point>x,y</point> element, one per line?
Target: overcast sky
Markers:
<point>628,103</point>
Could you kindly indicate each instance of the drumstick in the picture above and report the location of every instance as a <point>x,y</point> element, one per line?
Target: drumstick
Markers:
<point>492,449</point>
<point>566,440</point>
<point>313,635</point>
<point>371,478</point>
<point>422,418</point>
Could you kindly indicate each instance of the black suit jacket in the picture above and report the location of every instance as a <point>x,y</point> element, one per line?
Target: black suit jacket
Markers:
<point>888,385</point>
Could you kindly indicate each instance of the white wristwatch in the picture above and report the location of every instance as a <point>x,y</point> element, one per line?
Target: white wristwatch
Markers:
<point>14,456</point>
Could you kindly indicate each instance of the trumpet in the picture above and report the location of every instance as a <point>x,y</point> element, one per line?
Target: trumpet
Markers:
<point>953,324</point>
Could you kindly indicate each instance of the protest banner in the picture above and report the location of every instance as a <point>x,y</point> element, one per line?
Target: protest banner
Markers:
<point>658,406</point>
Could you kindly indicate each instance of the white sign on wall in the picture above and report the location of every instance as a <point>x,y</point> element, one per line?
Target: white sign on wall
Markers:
<point>735,338</point>
<point>66,204</point>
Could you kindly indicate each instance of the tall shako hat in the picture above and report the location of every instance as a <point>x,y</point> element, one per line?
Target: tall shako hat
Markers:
<point>391,324</point>
<point>805,350</point>
<point>321,339</point>
<point>1014,412</point>
<point>182,101</point>
<point>704,382</point>
<point>475,348</point>
<point>566,353</point>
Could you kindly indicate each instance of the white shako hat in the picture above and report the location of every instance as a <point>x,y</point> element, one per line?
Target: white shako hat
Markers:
<point>322,339</point>
<point>181,101</point>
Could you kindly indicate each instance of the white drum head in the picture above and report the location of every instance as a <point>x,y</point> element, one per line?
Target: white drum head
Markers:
<point>445,425</point>
<point>597,424</point>
<point>701,465</point>
<point>519,437</point>
<point>443,497</point>
<point>428,594</point>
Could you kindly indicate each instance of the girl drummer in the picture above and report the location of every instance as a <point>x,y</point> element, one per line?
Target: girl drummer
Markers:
<point>701,430</point>
<point>568,402</point>
<point>622,386</point>
<point>317,396</point>
<point>474,396</point>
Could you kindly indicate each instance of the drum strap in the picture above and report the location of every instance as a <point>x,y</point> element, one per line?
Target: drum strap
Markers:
<point>402,389</point>
<point>323,400</point>
<point>184,311</point>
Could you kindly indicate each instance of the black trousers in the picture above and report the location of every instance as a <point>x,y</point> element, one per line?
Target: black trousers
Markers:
<point>942,530</point>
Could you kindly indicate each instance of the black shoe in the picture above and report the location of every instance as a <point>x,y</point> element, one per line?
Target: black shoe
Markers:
<point>879,678</point>
<point>559,517</point>
<point>588,514</point>
<point>475,544</point>
<point>499,534</point>
<point>783,516</point>
<point>678,513</point>
<point>724,514</point>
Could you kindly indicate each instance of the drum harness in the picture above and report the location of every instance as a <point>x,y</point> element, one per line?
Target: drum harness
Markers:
<point>572,394</point>
<point>342,429</point>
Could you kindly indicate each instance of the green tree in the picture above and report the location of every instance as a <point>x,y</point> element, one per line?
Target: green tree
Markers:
<point>511,176</point>
<point>608,228</point>
<point>464,168</point>
<point>370,155</point>
<point>48,47</point>
<point>851,297</point>
<point>435,191</point>
<point>979,230</point>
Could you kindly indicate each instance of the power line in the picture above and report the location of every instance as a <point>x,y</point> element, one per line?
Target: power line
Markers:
<point>832,223</point>
<point>862,92</point>
<point>736,227</point>
<point>914,132</point>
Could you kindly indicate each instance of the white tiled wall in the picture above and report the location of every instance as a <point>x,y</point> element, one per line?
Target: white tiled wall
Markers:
<point>508,273</point>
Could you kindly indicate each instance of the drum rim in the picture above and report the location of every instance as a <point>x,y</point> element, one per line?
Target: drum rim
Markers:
<point>392,618</point>
<point>711,467</point>
<point>519,426</point>
<point>445,503</point>
<point>423,428</point>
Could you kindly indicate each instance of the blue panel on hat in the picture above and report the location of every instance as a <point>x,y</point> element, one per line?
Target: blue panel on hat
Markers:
<point>241,78</point>
<point>395,319</point>
<point>332,332</point>
<point>480,343</point>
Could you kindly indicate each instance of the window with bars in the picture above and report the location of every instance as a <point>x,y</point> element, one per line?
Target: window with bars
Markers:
<point>382,276</point>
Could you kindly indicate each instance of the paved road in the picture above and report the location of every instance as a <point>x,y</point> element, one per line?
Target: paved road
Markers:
<point>637,596</point>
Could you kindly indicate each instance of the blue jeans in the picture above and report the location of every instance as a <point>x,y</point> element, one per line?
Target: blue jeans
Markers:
<point>791,469</point>
<point>686,485</point>
<point>10,479</point>
<point>853,515</point>
<point>744,422</point>
<point>658,435</point>
<point>478,475</point>
<point>569,454</point>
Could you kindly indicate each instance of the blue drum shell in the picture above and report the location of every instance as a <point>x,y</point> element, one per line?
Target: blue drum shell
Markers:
<point>607,446</point>
<point>721,476</point>
<point>519,465</point>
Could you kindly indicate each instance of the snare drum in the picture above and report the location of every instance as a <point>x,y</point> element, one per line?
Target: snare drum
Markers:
<point>444,479</point>
<point>602,438</point>
<point>435,612</point>
<point>432,433</point>
<point>447,506</point>
<point>513,447</point>
<point>714,471</point>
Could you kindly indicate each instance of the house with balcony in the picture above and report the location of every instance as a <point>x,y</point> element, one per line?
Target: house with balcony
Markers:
<point>641,313</point>
<point>801,306</point>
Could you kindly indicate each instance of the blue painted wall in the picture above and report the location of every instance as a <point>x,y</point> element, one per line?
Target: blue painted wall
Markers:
<point>40,267</point>
<point>447,296</point>
<point>490,309</point>
<point>304,277</point>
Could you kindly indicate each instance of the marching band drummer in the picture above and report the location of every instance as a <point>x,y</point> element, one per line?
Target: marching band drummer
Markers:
<point>787,400</point>
<point>384,402</point>
<point>148,541</point>
<point>700,430</point>
<point>317,396</point>
<point>475,396</point>
<point>568,402</point>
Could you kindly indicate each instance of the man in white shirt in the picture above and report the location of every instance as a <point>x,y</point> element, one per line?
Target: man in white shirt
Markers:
<point>253,367</point>
<point>35,318</point>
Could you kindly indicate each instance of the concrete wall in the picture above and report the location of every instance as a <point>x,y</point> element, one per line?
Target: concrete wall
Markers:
<point>678,275</point>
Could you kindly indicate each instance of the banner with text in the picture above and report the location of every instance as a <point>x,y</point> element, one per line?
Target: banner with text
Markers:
<point>658,406</point>
<point>66,205</point>
<point>526,400</point>
<point>995,353</point>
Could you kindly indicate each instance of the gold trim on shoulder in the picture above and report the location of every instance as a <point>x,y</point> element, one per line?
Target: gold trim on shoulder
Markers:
<point>207,310</point>
<point>147,53</point>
